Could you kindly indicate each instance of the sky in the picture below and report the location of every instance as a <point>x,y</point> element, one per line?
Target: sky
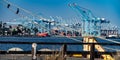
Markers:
<point>108,9</point>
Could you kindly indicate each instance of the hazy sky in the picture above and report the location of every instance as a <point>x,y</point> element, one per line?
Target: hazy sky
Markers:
<point>109,9</point>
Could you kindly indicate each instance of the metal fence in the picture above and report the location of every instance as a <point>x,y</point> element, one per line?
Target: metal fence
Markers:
<point>61,54</point>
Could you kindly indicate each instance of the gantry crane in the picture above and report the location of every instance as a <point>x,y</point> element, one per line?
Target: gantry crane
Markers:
<point>66,26</point>
<point>91,25</point>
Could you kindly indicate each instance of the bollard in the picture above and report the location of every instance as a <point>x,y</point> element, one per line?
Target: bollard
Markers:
<point>34,57</point>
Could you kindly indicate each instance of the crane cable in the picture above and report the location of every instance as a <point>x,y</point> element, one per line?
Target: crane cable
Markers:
<point>21,9</point>
<point>34,15</point>
<point>20,15</point>
<point>12,10</point>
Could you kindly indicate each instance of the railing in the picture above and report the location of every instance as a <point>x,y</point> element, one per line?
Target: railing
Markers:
<point>64,49</point>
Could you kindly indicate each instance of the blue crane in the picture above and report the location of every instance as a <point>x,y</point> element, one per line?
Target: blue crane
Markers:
<point>91,25</point>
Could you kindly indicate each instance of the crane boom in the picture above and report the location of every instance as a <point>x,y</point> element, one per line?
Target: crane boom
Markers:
<point>91,25</point>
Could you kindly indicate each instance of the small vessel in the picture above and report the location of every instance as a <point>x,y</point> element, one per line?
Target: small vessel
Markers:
<point>42,34</point>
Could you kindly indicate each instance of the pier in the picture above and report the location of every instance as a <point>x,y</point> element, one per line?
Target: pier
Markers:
<point>58,50</point>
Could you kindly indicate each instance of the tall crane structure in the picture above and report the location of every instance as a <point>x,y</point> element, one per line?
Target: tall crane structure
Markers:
<point>91,25</point>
